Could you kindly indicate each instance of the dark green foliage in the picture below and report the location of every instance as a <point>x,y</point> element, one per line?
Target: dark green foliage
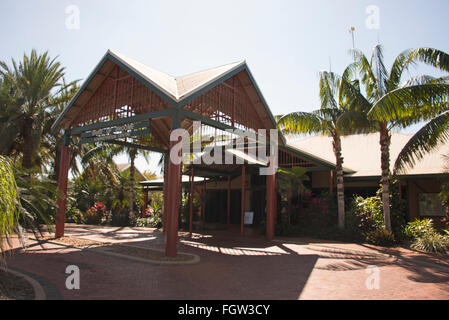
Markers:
<point>431,242</point>
<point>380,237</point>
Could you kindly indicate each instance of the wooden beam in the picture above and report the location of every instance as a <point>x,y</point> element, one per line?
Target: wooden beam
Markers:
<point>99,125</point>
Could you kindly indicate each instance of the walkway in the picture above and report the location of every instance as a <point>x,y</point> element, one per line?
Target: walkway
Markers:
<point>234,267</point>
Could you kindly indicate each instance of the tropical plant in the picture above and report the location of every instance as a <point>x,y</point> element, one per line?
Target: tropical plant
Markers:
<point>431,242</point>
<point>291,183</point>
<point>31,85</point>
<point>337,116</point>
<point>418,228</point>
<point>393,104</point>
<point>9,210</point>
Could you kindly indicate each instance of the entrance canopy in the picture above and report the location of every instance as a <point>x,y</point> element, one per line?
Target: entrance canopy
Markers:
<point>128,103</point>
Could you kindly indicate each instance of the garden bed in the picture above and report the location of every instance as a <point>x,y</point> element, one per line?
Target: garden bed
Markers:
<point>74,242</point>
<point>13,287</point>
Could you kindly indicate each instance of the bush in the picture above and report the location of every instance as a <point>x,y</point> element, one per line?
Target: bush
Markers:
<point>380,237</point>
<point>153,221</point>
<point>418,228</point>
<point>431,242</point>
<point>75,215</point>
<point>120,217</point>
<point>95,214</point>
<point>365,214</point>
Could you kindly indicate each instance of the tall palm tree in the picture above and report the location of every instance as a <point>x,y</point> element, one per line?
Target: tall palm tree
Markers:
<point>337,116</point>
<point>32,82</point>
<point>108,151</point>
<point>436,130</point>
<point>394,104</point>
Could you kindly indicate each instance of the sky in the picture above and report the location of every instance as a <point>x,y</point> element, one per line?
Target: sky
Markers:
<point>285,43</point>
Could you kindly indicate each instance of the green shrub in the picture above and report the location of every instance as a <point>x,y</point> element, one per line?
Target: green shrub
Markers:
<point>431,242</point>
<point>75,215</point>
<point>380,237</point>
<point>418,228</point>
<point>153,221</point>
<point>365,214</point>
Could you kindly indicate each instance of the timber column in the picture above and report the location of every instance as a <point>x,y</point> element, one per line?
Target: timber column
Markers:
<point>271,205</point>
<point>62,186</point>
<point>173,195</point>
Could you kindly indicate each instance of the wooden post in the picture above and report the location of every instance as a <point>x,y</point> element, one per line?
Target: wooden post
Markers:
<point>203,205</point>
<point>172,207</point>
<point>242,217</point>
<point>173,195</point>
<point>192,184</point>
<point>62,189</point>
<point>271,205</point>
<point>145,202</point>
<point>165,192</point>
<point>228,214</point>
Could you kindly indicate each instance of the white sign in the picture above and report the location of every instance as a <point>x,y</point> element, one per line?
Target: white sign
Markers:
<point>249,217</point>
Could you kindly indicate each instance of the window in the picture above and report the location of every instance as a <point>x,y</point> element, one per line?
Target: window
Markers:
<point>430,205</point>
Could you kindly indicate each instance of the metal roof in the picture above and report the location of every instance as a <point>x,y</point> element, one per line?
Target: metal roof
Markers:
<point>361,153</point>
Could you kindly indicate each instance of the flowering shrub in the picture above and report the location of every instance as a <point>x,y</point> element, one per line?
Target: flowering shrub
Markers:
<point>95,213</point>
<point>367,213</point>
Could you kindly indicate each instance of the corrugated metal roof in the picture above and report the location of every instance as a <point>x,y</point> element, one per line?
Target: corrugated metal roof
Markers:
<point>181,87</point>
<point>361,153</point>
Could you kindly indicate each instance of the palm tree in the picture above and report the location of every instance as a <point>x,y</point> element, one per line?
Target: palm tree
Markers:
<point>337,116</point>
<point>436,130</point>
<point>291,181</point>
<point>108,151</point>
<point>31,84</point>
<point>394,104</point>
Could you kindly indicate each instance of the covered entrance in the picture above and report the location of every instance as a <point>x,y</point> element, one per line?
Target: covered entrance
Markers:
<point>128,103</point>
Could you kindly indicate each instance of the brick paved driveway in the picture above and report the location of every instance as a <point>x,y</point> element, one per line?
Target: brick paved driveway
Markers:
<point>234,267</point>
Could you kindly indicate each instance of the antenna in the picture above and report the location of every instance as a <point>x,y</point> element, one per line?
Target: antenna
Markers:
<point>352,31</point>
<point>330,64</point>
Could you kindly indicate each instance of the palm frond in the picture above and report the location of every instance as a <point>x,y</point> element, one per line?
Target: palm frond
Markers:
<point>429,137</point>
<point>419,102</point>
<point>300,123</point>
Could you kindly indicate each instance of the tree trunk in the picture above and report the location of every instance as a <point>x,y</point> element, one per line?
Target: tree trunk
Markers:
<point>132,171</point>
<point>385,140</point>
<point>340,184</point>
<point>28,148</point>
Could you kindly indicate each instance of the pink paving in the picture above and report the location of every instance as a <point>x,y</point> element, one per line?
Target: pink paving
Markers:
<point>234,267</point>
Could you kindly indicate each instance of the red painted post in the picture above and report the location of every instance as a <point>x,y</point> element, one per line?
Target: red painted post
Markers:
<point>165,192</point>
<point>62,189</point>
<point>192,184</point>
<point>228,215</point>
<point>271,206</point>
<point>242,217</point>
<point>203,205</point>
<point>145,202</point>
<point>172,206</point>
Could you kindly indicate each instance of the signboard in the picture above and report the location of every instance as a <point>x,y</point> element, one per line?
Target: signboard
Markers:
<point>430,205</point>
<point>249,217</point>
<point>116,132</point>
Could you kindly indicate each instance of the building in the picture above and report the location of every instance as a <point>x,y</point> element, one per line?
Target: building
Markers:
<point>127,103</point>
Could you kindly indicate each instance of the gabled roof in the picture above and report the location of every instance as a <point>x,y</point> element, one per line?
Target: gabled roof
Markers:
<point>176,91</point>
<point>178,88</point>
<point>361,153</point>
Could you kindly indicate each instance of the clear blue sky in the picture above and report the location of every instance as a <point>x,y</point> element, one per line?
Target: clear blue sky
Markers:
<point>285,43</point>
